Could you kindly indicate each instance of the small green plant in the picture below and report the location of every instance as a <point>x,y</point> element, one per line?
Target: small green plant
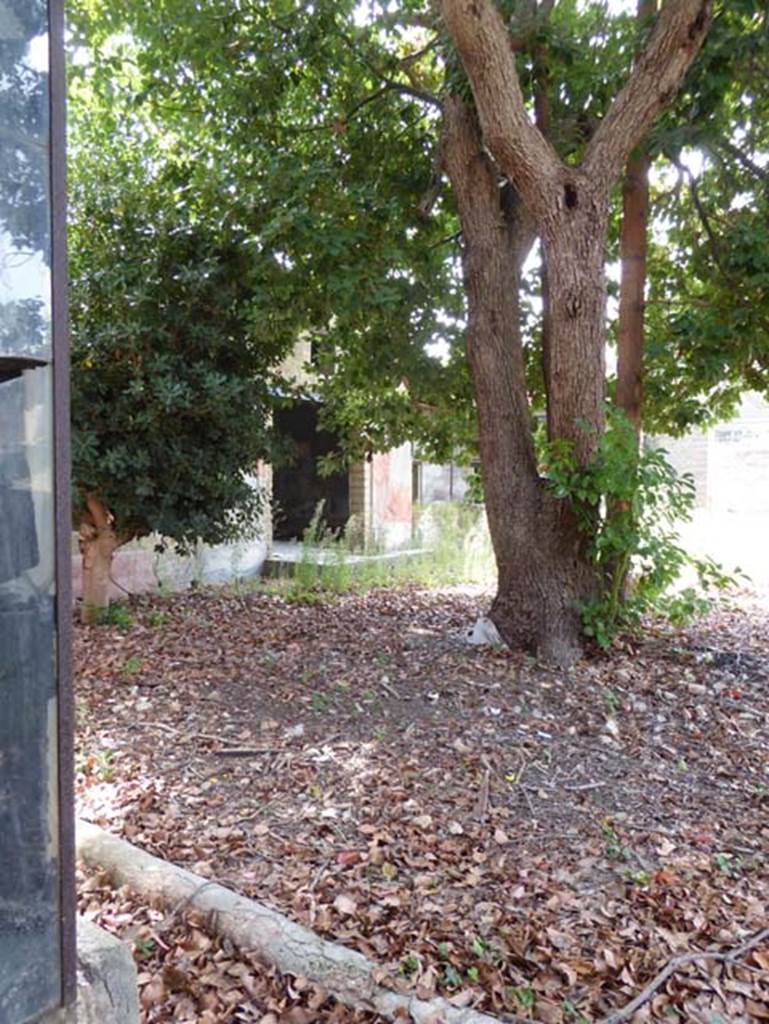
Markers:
<point>155,618</point>
<point>728,864</point>
<point>409,965</point>
<point>612,844</point>
<point>629,503</point>
<point>526,996</point>
<point>144,948</point>
<point>612,702</point>
<point>131,665</point>
<point>641,878</point>
<point>323,565</point>
<point>451,976</point>
<point>117,614</point>
<point>319,702</point>
<point>97,764</point>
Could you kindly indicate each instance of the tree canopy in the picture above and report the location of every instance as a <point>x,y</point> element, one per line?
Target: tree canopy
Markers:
<point>324,123</point>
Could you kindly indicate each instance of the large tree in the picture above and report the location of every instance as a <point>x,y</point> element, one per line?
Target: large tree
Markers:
<point>339,131</point>
<point>545,573</point>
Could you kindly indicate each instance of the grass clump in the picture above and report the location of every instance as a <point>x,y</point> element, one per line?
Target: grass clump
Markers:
<point>451,545</point>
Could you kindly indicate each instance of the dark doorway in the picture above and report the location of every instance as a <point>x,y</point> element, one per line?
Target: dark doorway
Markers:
<point>298,487</point>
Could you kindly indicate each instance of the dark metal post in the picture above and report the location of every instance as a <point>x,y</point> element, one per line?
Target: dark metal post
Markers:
<point>61,370</point>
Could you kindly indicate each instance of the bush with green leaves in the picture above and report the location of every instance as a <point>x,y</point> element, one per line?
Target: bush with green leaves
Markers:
<point>630,503</point>
<point>170,390</point>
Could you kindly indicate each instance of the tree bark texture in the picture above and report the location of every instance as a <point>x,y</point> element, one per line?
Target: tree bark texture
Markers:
<point>630,332</point>
<point>633,244</point>
<point>98,542</point>
<point>543,573</point>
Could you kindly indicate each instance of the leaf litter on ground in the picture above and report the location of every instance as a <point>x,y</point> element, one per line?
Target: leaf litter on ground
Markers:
<point>531,842</point>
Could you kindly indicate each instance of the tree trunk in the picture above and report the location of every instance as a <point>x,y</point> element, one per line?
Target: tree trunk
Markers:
<point>98,542</point>
<point>630,333</point>
<point>573,247</point>
<point>633,241</point>
<point>543,574</point>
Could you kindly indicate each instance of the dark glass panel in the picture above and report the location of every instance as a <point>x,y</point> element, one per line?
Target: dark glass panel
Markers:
<point>30,973</point>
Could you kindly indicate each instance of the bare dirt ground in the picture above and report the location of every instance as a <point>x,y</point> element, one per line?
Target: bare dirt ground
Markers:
<point>537,844</point>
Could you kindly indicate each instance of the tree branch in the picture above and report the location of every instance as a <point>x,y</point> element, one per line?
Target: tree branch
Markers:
<point>680,961</point>
<point>676,38</point>
<point>518,147</point>
<point>414,92</point>
<point>762,173</point>
<point>390,86</point>
<point>432,194</point>
<point>702,214</point>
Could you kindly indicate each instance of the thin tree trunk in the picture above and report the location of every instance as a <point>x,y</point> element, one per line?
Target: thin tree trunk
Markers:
<point>542,118</point>
<point>98,542</point>
<point>630,327</point>
<point>633,244</point>
<point>630,332</point>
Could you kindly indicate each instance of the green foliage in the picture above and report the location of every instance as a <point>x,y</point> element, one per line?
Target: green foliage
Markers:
<point>326,167</point>
<point>708,302</point>
<point>474,493</point>
<point>321,133</point>
<point>118,614</point>
<point>629,504</point>
<point>169,389</point>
